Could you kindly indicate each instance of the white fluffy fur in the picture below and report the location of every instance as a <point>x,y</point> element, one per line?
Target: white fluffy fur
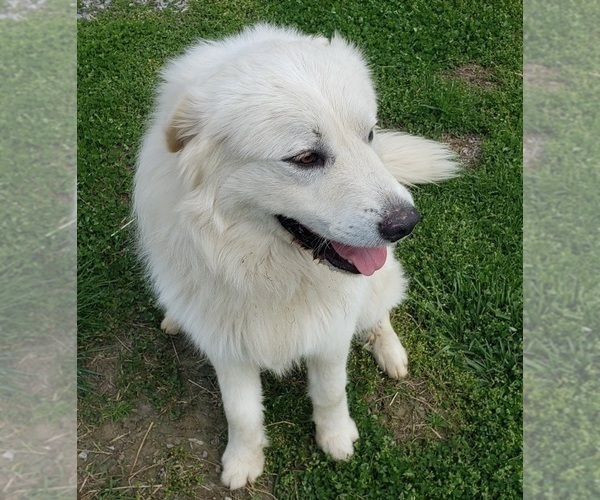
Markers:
<point>209,182</point>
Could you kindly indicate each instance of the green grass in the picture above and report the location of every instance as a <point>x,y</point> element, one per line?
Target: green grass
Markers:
<point>462,322</point>
<point>37,154</point>
<point>562,350</point>
<point>37,254</point>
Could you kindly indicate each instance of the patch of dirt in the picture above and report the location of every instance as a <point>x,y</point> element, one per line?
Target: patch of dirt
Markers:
<point>473,74</point>
<point>468,148</point>
<point>539,75</point>
<point>89,9</point>
<point>151,454</point>
<point>17,10</point>
<point>411,413</point>
<point>37,424</point>
<point>36,459</point>
<point>533,150</point>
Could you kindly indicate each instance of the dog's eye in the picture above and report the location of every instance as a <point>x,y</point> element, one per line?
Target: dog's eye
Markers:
<point>308,159</point>
<point>371,135</point>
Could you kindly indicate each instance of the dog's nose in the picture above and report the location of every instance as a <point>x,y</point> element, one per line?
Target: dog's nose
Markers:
<point>398,222</point>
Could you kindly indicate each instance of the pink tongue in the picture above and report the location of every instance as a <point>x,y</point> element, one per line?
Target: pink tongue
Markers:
<point>366,260</point>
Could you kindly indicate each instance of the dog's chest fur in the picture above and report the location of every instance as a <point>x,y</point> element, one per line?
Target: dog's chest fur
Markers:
<point>303,315</point>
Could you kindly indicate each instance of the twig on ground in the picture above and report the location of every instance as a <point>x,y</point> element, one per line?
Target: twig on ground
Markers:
<point>140,448</point>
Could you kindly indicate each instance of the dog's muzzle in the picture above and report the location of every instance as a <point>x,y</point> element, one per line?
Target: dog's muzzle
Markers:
<point>396,223</point>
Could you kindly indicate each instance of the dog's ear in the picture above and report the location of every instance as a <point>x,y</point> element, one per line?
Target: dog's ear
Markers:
<point>415,160</point>
<point>183,124</point>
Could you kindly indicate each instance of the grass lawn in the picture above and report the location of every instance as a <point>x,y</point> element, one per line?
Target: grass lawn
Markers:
<point>562,290</point>
<point>37,249</point>
<point>150,420</point>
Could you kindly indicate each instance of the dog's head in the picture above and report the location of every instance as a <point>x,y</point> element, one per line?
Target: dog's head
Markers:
<point>280,127</point>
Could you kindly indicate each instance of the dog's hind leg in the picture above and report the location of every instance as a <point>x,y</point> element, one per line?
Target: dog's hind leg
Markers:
<point>243,460</point>
<point>388,351</point>
<point>168,325</point>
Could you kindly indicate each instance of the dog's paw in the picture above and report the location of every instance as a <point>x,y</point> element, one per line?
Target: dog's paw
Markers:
<point>338,441</point>
<point>241,466</point>
<point>389,354</point>
<point>169,326</point>
<point>393,360</point>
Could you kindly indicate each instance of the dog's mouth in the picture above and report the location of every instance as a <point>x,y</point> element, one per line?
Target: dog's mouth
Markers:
<point>354,260</point>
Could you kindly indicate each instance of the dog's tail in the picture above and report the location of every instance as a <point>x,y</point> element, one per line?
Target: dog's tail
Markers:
<point>415,160</point>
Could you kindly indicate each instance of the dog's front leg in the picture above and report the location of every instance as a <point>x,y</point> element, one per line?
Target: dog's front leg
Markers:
<point>387,349</point>
<point>336,431</point>
<point>243,460</point>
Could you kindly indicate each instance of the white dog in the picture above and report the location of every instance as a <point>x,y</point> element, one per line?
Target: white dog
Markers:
<point>267,204</point>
